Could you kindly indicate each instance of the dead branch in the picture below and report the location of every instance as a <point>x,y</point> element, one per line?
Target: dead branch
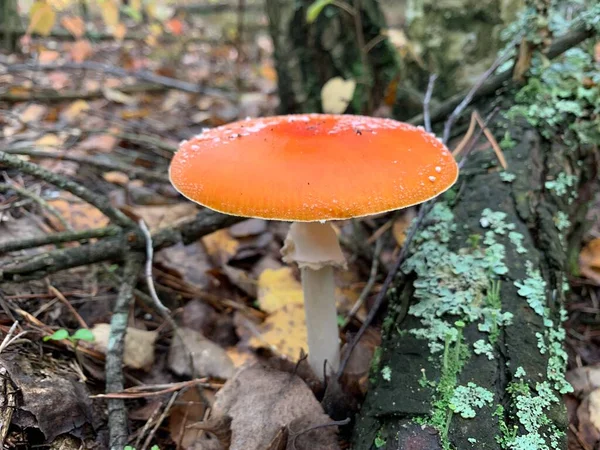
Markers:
<point>100,202</point>
<point>131,171</point>
<point>142,75</point>
<point>117,413</point>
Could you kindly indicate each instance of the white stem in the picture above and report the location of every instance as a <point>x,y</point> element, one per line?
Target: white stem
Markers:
<point>321,319</point>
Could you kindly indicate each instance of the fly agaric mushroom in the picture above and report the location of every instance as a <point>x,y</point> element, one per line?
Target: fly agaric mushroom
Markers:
<point>311,169</point>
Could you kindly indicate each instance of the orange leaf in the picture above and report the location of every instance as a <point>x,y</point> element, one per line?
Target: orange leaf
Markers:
<point>48,56</point>
<point>119,31</point>
<point>74,25</point>
<point>74,110</point>
<point>80,215</point>
<point>174,26</point>
<point>589,260</point>
<point>81,50</point>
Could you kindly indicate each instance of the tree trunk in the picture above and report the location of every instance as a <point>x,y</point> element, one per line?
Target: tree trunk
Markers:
<point>336,44</point>
<point>469,367</point>
<point>10,25</point>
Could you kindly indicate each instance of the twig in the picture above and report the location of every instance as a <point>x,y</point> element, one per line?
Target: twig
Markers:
<point>100,202</point>
<point>160,420</point>
<point>37,199</point>
<point>66,302</point>
<point>427,100</point>
<point>469,97</point>
<point>115,248</point>
<point>578,34</point>
<point>492,140</point>
<point>143,75</point>
<point>131,171</point>
<point>149,391</point>
<point>370,283</point>
<point>117,413</point>
<point>59,238</point>
<point>9,338</point>
<point>162,309</point>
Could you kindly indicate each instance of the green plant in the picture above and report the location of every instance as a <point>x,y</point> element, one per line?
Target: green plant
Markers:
<point>83,334</point>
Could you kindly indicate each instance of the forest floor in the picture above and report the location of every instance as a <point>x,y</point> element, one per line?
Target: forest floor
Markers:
<point>109,113</point>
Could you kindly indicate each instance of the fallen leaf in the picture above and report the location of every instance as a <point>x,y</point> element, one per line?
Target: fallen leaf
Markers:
<point>262,401</point>
<point>584,379</point>
<point>278,288</point>
<point>110,12</point>
<point>220,246</point>
<point>74,110</point>
<point>157,217</point>
<point>118,97</point>
<point>189,261</point>
<point>174,26</point>
<point>402,224</point>
<point>116,177</point>
<point>139,345</point>
<point>119,31</point>
<point>81,50</point>
<point>77,213</point>
<point>74,25</point>
<point>190,408</point>
<point>589,260</point>
<point>48,56</point>
<point>41,18</point>
<point>240,357</point>
<point>103,143</point>
<point>588,415</point>
<point>250,227</point>
<point>33,113</point>
<point>337,94</point>
<point>49,140</point>
<point>191,354</point>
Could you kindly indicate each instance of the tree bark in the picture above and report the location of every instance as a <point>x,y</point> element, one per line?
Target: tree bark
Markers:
<point>413,386</point>
<point>308,55</point>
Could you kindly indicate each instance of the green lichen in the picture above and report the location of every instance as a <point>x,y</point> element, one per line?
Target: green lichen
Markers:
<point>516,239</point>
<point>561,220</point>
<point>379,441</point>
<point>520,372</point>
<point>466,398</point>
<point>562,185</point>
<point>507,177</point>
<point>481,347</point>
<point>386,373</point>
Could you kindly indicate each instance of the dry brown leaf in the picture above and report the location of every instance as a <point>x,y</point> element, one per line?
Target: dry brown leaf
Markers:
<point>74,25</point>
<point>74,110</point>
<point>103,143</point>
<point>33,113</point>
<point>81,50</point>
<point>190,408</point>
<point>48,56</point>
<point>80,215</point>
<point>209,359</point>
<point>116,177</point>
<point>589,260</point>
<point>584,379</point>
<point>118,97</point>
<point>220,246</point>
<point>189,261</point>
<point>401,225</point>
<point>262,401</point>
<point>139,345</point>
<point>157,217</point>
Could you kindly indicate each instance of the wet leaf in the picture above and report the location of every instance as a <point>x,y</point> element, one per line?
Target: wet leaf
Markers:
<point>41,18</point>
<point>139,345</point>
<point>337,94</point>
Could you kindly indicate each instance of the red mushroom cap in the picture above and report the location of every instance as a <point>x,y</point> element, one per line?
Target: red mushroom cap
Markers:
<point>312,167</point>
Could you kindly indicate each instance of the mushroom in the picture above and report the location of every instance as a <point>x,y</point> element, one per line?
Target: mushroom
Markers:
<point>312,169</point>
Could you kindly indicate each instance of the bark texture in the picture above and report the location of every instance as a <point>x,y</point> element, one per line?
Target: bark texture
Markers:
<point>308,55</point>
<point>410,382</point>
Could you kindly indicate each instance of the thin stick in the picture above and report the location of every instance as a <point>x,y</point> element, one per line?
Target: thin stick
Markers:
<point>427,100</point>
<point>146,391</point>
<point>465,139</point>
<point>117,413</point>
<point>370,283</point>
<point>100,202</point>
<point>59,238</point>
<point>162,309</point>
<point>66,302</point>
<point>160,420</point>
<point>37,199</point>
<point>467,100</point>
<point>492,140</point>
<point>132,171</point>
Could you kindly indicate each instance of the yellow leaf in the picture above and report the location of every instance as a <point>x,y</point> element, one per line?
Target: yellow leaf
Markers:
<point>74,25</point>
<point>49,140</point>
<point>41,18</point>
<point>284,332</point>
<point>220,246</point>
<point>119,31</point>
<point>110,12</point>
<point>74,110</point>
<point>33,113</point>
<point>589,260</point>
<point>277,288</point>
<point>337,94</point>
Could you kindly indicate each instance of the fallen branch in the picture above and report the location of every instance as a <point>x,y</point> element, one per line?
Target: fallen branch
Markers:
<point>574,37</point>
<point>131,171</point>
<point>100,202</point>
<point>117,413</point>
<point>143,75</point>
